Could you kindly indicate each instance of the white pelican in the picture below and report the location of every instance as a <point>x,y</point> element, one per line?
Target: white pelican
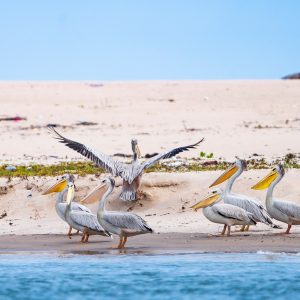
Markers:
<point>81,220</point>
<point>223,213</point>
<point>130,173</point>
<point>247,203</point>
<point>61,188</point>
<point>283,211</point>
<point>123,224</point>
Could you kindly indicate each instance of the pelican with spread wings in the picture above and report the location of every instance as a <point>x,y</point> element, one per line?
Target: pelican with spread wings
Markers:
<point>130,173</point>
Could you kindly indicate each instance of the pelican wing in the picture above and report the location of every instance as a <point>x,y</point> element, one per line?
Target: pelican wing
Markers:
<point>252,206</point>
<point>61,209</point>
<point>230,212</point>
<point>102,160</point>
<point>86,219</point>
<point>80,207</point>
<point>127,220</point>
<point>290,209</point>
<point>167,154</point>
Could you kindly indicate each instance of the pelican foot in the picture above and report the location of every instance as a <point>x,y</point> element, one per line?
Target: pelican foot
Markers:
<point>216,235</point>
<point>116,247</point>
<point>282,233</point>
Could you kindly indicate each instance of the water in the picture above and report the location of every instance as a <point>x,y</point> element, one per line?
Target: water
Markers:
<point>177,276</point>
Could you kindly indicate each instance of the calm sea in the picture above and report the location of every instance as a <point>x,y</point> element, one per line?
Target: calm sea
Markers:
<point>176,276</point>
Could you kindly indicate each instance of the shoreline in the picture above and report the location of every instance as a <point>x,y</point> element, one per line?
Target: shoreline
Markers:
<point>157,243</point>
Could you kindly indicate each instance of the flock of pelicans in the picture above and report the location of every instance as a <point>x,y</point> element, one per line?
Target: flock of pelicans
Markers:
<point>235,209</point>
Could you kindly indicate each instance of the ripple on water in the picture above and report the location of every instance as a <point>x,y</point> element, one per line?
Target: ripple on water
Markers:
<point>190,276</point>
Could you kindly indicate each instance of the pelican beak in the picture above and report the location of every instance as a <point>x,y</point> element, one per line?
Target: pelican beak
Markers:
<point>94,195</point>
<point>71,194</point>
<point>206,201</point>
<point>57,187</point>
<point>138,151</point>
<point>226,175</point>
<point>266,181</point>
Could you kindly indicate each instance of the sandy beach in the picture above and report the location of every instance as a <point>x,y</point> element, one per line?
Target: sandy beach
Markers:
<point>235,117</point>
<point>243,118</point>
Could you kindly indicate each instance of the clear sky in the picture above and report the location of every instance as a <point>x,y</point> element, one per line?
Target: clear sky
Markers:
<point>148,39</point>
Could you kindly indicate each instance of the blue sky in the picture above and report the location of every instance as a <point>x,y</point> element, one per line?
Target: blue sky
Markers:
<point>148,40</point>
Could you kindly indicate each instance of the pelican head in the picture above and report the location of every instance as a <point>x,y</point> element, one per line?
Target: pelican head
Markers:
<point>109,181</point>
<point>71,192</point>
<point>239,165</point>
<point>135,149</point>
<point>97,192</point>
<point>210,200</point>
<point>69,177</point>
<point>60,185</point>
<point>276,174</point>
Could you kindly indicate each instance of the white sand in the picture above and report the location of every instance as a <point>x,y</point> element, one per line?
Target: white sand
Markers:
<point>166,195</point>
<point>226,113</point>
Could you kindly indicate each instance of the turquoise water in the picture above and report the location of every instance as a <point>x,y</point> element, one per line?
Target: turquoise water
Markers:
<point>176,276</point>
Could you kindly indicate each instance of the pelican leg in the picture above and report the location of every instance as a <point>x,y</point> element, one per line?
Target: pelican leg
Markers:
<point>224,229</point>
<point>69,234</point>
<point>77,232</point>
<point>247,227</point>
<point>120,243</point>
<point>243,228</point>
<point>228,231</point>
<point>87,237</point>
<point>288,229</point>
<point>124,241</point>
<point>83,238</point>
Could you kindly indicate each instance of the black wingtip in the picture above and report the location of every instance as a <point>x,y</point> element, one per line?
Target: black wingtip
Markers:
<point>202,140</point>
<point>194,145</point>
<point>56,135</point>
<point>53,131</point>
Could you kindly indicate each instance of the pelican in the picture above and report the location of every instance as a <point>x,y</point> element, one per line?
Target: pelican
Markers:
<point>130,173</point>
<point>60,206</point>
<point>247,203</point>
<point>81,220</point>
<point>223,213</point>
<point>123,224</point>
<point>283,211</point>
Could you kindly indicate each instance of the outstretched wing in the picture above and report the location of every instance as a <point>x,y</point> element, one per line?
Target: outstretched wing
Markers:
<point>116,168</point>
<point>87,220</point>
<point>167,154</point>
<point>127,220</point>
<point>290,209</point>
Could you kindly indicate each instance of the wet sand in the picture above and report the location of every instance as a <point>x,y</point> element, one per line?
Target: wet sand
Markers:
<point>153,243</point>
